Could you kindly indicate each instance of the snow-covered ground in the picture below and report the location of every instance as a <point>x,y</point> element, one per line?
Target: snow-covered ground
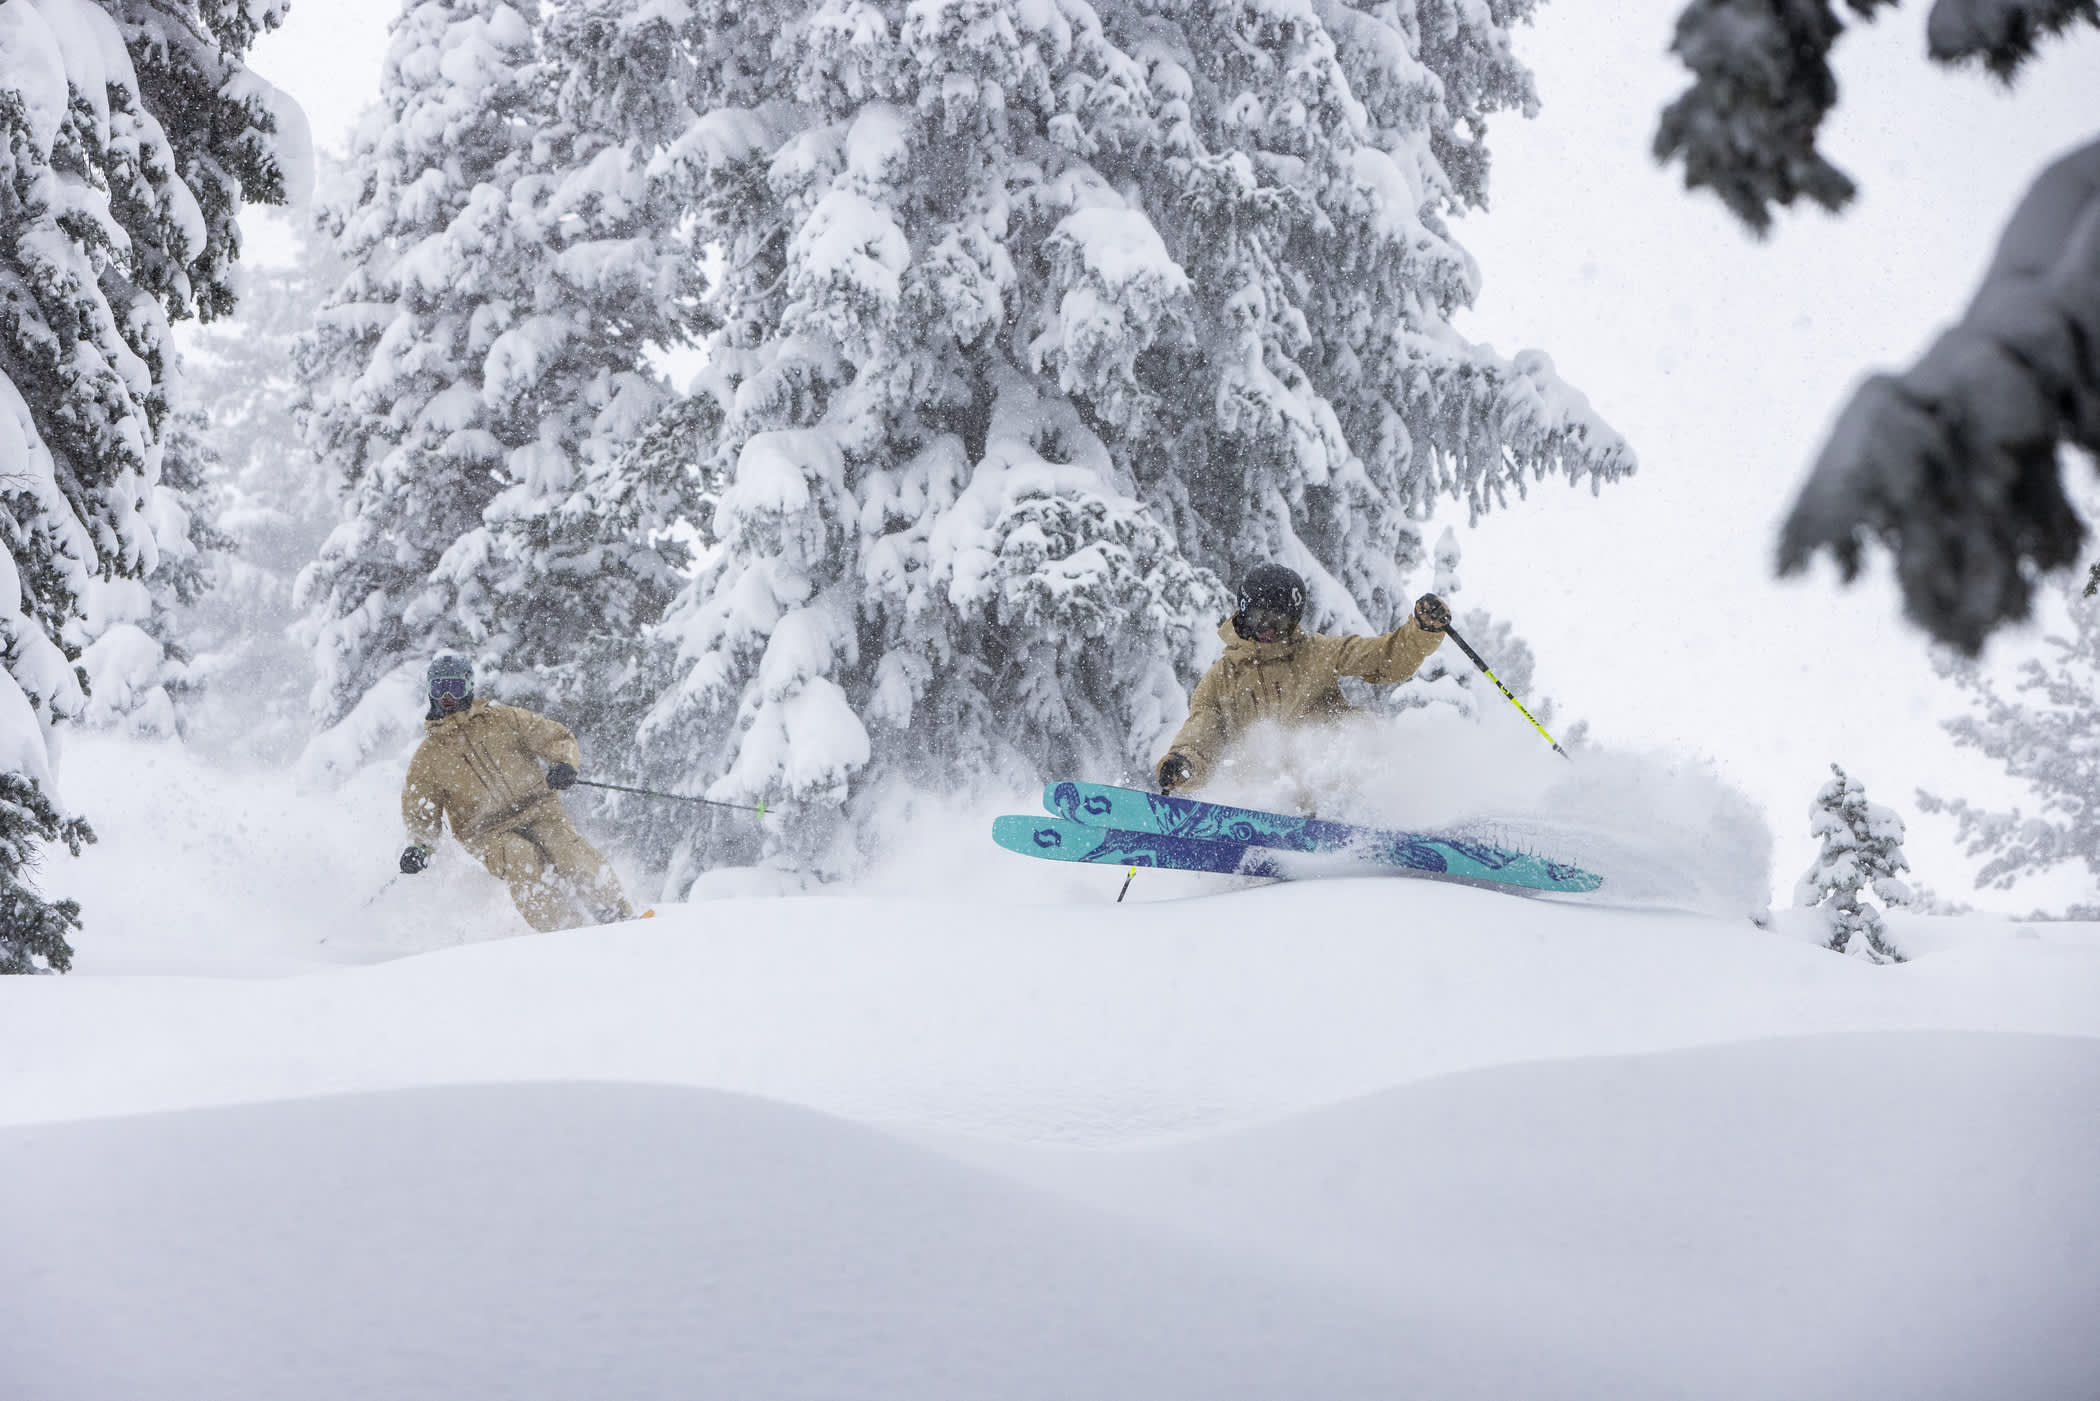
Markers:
<point>974,1130</point>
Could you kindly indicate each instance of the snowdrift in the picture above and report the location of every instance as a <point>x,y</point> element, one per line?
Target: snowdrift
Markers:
<point>1882,1215</point>
<point>1869,1215</point>
<point>560,1242</point>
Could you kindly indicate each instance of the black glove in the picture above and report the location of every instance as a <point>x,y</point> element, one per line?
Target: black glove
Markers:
<point>1174,771</point>
<point>560,774</point>
<point>1432,614</point>
<point>414,859</point>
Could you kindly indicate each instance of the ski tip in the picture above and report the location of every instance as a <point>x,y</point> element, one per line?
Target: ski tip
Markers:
<point>1023,834</point>
<point>1051,838</point>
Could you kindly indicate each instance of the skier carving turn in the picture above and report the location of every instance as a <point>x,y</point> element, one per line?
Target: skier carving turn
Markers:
<point>1273,670</point>
<point>478,769</point>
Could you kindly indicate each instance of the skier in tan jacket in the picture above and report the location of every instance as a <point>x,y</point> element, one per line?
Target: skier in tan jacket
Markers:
<point>1272,670</point>
<point>478,769</point>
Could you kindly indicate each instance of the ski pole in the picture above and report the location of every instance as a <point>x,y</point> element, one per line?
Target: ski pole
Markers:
<point>1465,647</point>
<point>674,797</point>
<point>1130,876</point>
<point>377,893</point>
<point>372,899</point>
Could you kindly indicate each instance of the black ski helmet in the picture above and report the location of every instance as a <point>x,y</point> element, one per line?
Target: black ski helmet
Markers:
<point>1274,588</point>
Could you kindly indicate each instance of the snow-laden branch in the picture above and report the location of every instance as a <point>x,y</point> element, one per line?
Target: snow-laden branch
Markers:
<point>1955,464</point>
<point>1762,85</point>
<point>2002,34</point>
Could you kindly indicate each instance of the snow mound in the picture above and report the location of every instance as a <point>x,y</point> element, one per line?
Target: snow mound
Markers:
<point>620,1241</point>
<point>1833,1217</point>
<point>1877,1215</point>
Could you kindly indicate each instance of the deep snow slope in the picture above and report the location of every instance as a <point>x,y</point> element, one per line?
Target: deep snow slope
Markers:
<point>1096,1024</point>
<point>973,1129</point>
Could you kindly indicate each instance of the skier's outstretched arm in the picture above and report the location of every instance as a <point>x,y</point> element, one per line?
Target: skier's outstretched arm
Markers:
<point>1397,655</point>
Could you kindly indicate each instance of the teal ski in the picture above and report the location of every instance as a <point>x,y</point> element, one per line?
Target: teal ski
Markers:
<point>1054,839</point>
<point>1128,811</point>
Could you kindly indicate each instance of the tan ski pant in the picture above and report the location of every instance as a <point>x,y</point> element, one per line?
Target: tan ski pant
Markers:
<point>548,865</point>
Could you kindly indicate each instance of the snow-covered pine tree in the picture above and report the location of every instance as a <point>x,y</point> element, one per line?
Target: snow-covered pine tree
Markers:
<point>1953,464</point>
<point>1041,320</point>
<point>249,677</point>
<point>482,373</point>
<point>130,134</point>
<point>393,368</point>
<point>2046,733</point>
<point>138,665</point>
<point>1862,850</point>
<point>583,556</point>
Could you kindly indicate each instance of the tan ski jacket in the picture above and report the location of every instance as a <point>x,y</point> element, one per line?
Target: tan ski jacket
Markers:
<point>482,769</point>
<point>1295,681</point>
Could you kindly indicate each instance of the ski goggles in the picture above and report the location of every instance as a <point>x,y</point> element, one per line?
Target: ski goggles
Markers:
<point>457,687</point>
<point>1260,620</point>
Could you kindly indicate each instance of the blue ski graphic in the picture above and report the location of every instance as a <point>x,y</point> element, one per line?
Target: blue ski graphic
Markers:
<point>1055,839</point>
<point>1129,810</point>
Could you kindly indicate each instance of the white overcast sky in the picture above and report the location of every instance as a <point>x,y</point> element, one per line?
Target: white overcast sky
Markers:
<point>1652,607</point>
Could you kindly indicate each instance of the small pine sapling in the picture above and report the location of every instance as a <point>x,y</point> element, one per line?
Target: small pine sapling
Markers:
<point>1862,850</point>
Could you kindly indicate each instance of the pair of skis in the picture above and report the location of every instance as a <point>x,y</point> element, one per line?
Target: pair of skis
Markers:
<point>1098,823</point>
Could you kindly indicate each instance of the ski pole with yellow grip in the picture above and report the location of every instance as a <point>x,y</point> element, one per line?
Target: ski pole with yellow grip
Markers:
<point>1432,614</point>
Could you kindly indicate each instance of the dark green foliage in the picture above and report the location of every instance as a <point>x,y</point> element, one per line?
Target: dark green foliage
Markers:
<point>33,929</point>
<point>2002,36</point>
<point>119,198</point>
<point>1956,465</point>
<point>1762,85</point>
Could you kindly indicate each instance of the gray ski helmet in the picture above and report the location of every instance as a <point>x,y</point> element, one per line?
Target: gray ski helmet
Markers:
<point>1275,589</point>
<point>450,676</point>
